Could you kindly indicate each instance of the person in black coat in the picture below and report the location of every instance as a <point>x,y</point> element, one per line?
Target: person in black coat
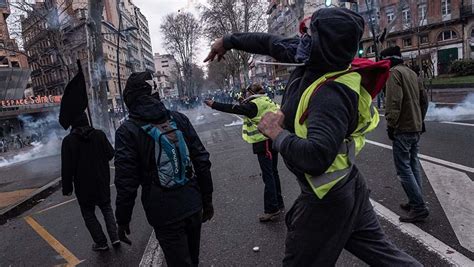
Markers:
<point>175,214</point>
<point>85,156</point>
<point>319,228</point>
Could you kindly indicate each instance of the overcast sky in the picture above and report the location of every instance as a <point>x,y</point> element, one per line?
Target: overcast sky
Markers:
<point>156,10</point>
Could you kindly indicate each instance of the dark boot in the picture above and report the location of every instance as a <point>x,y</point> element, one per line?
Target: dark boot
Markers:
<point>405,207</point>
<point>415,216</point>
<point>268,217</point>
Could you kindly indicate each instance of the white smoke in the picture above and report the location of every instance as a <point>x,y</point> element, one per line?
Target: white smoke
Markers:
<point>462,111</point>
<point>46,134</point>
<point>39,150</point>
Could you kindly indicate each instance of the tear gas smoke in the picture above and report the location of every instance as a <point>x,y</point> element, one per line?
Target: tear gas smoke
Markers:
<point>462,111</point>
<point>45,135</point>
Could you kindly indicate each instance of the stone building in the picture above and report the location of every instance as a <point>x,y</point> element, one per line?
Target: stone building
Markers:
<point>431,34</point>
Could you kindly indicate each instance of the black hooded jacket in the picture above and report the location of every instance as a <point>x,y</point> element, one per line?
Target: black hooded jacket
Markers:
<point>333,109</point>
<point>135,164</point>
<point>85,156</point>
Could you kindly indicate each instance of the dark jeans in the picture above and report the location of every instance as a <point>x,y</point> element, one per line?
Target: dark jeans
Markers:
<point>405,155</point>
<point>93,225</point>
<point>180,241</point>
<point>318,230</point>
<point>272,199</point>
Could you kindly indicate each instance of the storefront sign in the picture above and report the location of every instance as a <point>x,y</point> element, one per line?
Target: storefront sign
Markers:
<point>32,100</point>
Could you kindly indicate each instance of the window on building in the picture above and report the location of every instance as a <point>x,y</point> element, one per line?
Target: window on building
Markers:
<point>422,8</point>
<point>445,7</point>
<point>447,35</point>
<point>391,43</point>
<point>407,42</point>
<point>390,15</point>
<point>424,39</point>
<point>406,16</point>
<point>371,49</point>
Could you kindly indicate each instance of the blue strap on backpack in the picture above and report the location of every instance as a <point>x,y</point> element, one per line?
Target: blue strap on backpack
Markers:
<point>173,165</point>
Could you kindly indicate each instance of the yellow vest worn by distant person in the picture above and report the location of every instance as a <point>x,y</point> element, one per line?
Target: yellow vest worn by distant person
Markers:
<point>250,132</point>
<point>368,120</point>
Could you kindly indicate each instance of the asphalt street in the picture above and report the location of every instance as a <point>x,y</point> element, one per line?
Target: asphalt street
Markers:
<point>53,232</point>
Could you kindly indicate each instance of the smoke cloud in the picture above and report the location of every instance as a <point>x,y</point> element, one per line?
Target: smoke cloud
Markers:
<point>46,135</point>
<point>463,111</point>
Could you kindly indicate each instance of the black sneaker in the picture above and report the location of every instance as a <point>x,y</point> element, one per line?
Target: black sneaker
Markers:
<point>98,247</point>
<point>116,243</point>
<point>267,217</point>
<point>282,209</point>
<point>415,216</point>
<point>405,207</point>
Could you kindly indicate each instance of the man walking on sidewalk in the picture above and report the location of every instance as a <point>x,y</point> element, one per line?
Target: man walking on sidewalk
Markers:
<point>253,107</point>
<point>406,107</point>
<point>160,151</point>
<point>326,112</point>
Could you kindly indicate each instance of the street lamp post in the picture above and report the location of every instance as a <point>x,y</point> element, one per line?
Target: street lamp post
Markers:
<point>119,32</point>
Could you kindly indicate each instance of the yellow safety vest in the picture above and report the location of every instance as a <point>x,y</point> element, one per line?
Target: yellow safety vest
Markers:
<point>250,132</point>
<point>368,120</point>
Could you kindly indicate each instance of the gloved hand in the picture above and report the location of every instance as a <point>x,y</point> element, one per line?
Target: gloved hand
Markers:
<point>207,208</point>
<point>123,231</point>
<point>391,133</point>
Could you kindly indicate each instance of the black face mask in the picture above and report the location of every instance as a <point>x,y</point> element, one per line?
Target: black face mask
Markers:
<point>303,52</point>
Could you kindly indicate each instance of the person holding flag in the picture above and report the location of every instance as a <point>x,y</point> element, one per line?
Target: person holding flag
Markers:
<point>85,156</point>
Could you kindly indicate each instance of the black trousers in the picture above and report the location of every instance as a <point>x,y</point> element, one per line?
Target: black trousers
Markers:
<point>180,241</point>
<point>93,225</point>
<point>272,199</point>
<point>319,229</point>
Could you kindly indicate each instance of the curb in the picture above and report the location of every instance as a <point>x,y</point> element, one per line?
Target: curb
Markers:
<point>29,202</point>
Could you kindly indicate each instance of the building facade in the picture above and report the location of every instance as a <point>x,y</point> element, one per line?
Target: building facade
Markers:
<point>146,51</point>
<point>14,70</point>
<point>166,74</point>
<point>72,43</point>
<point>431,34</point>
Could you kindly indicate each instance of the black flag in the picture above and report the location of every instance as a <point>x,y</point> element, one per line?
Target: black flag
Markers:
<point>74,100</point>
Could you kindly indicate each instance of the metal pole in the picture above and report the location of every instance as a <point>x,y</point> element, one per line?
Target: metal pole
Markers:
<point>118,65</point>
<point>372,29</point>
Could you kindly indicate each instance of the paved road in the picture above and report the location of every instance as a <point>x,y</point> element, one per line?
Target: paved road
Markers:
<point>229,238</point>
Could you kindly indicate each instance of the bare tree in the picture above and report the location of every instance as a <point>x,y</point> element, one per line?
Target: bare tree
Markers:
<point>222,17</point>
<point>182,32</point>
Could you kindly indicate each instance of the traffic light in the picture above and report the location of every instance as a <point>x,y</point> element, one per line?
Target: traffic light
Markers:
<point>360,51</point>
<point>328,3</point>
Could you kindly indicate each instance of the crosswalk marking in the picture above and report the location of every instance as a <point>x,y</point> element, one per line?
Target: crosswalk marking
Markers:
<point>458,123</point>
<point>432,159</point>
<point>454,190</point>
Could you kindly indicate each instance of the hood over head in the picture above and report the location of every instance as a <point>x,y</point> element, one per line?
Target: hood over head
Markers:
<point>137,85</point>
<point>335,37</point>
<point>80,121</point>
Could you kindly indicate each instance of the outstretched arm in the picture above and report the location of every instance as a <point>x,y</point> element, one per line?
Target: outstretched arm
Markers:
<point>281,49</point>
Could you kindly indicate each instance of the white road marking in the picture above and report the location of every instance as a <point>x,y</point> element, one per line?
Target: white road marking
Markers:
<point>431,243</point>
<point>153,255</point>
<point>238,117</point>
<point>432,159</point>
<point>458,123</point>
<point>454,190</point>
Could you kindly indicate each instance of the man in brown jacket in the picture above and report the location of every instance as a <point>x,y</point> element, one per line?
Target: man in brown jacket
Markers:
<point>406,106</point>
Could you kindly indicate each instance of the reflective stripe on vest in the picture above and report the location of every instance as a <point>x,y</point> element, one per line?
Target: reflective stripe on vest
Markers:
<point>250,132</point>
<point>345,159</point>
